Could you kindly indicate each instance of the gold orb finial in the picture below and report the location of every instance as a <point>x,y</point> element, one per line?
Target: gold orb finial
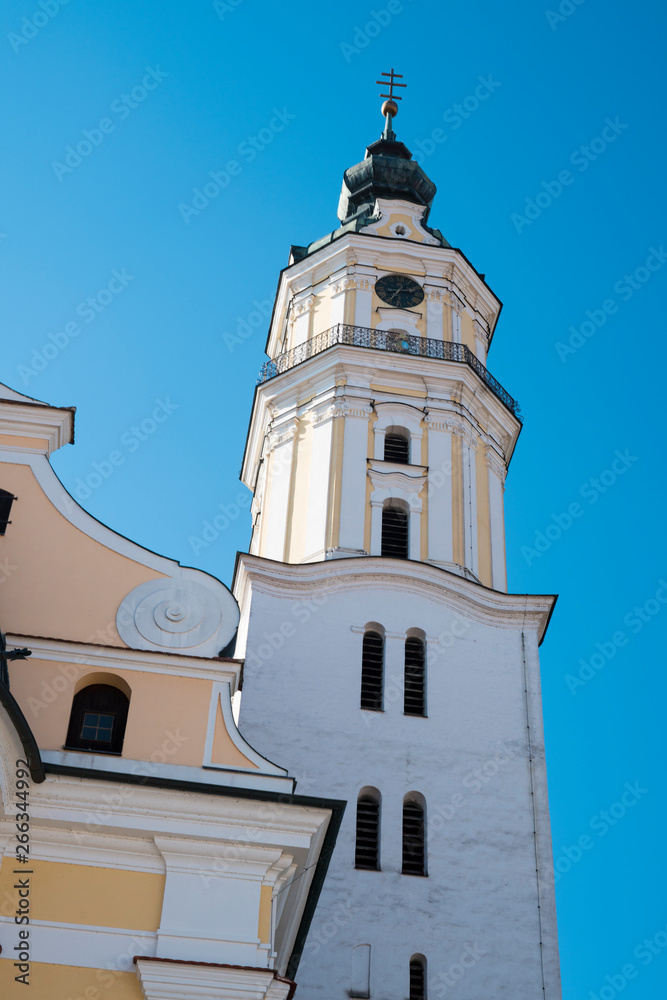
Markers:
<point>390,107</point>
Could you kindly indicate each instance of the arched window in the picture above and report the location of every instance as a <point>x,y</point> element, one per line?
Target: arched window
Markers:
<point>414,698</point>
<point>417,977</point>
<point>397,445</point>
<point>372,670</point>
<point>98,718</point>
<point>394,531</point>
<point>367,850</point>
<point>414,835</point>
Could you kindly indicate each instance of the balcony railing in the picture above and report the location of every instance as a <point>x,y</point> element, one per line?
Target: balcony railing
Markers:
<point>387,340</point>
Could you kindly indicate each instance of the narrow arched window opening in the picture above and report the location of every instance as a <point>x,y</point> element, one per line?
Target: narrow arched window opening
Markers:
<point>394,532</point>
<point>414,699</point>
<point>367,851</point>
<point>372,670</point>
<point>98,719</point>
<point>417,978</point>
<point>414,847</point>
<point>397,446</point>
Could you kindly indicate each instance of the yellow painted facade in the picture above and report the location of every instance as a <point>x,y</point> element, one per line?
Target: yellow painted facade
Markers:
<point>44,547</point>
<point>394,390</point>
<point>224,751</point>
<point>69,982</point>
<point>467,331</point>
<point>401,219</point>
<point>16,441</point>
<point>264,922</point>
<point>86,895</point>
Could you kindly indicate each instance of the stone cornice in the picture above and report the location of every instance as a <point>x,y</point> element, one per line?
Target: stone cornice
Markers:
<point>383,254</point>
<point>53,425</point>
<point>492,607</point>
<point>450,385</point>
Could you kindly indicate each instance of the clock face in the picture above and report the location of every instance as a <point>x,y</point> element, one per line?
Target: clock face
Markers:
<point>399,290</point>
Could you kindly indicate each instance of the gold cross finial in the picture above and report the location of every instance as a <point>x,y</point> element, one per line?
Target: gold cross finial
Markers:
<point>390,107</point>
<point>392,78</point>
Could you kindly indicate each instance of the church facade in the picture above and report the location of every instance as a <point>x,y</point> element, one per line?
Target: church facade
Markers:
<point>148,851</point>
<point>375,824</point>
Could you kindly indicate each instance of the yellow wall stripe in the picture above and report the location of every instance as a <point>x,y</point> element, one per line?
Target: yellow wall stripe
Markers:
<point>83,894</point>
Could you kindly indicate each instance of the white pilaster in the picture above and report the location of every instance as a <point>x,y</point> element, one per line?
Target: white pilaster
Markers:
<point>457,308</point>
<point>353,486</point>
<point>363,302</point>
<point>376,527</point>
<point>282,457</point>
<point>318,490</point>
<point>440,537</point>
<point>414,539</point>
<point>496,472</point>
<point>434,307</point>
<point>303,310</point>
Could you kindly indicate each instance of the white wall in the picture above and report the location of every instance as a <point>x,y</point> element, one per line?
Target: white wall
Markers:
<point>300,705</point>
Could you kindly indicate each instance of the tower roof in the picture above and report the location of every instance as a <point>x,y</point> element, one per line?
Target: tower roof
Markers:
<point>387,171</point>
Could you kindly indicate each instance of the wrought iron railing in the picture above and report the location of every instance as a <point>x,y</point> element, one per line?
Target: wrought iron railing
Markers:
<point>387,340</point>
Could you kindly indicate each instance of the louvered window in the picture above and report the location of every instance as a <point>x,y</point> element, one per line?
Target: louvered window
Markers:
<point>367,853</point>
<point>415,677</point>
<point>372,668</point>
<point>414,853</point>
<point>417,979</point>
<point>396,448</point>
<point>395,533</point>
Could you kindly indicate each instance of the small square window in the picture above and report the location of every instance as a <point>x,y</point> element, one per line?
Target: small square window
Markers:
<point>97,727</point>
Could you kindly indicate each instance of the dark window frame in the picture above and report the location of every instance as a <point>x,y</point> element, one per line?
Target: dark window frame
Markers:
<point>414,839</point>
<point>372,671</point>
<point>396,448</point>
<point>395,540</point>
<point>418,978</point>
<point>414,686</point>
<point>98,699</point>
<point>367,833</point>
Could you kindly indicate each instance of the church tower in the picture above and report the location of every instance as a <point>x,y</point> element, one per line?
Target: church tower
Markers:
<point>385,662</point>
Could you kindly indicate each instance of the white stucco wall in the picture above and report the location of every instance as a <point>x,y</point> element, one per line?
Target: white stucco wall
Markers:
<point>470,759</point>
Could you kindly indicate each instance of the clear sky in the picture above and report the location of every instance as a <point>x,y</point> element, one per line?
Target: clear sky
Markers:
<point>170,92</point>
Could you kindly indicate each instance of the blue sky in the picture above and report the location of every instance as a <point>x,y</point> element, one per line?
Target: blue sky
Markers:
<point>182,320</point>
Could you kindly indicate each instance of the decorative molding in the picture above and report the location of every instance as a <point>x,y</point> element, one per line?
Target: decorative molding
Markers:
<point>495,463</point>
<point>346,408</point>
<point>282,435</point>
<point>169,979</point>
<point>177,614</point>
<point>36,420</point>
<point>92,657</point>
<point>396,485</point>
<point>284,580</point>
<point>385,208</point>
<point>237,777</point>
<point>221,695</point>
